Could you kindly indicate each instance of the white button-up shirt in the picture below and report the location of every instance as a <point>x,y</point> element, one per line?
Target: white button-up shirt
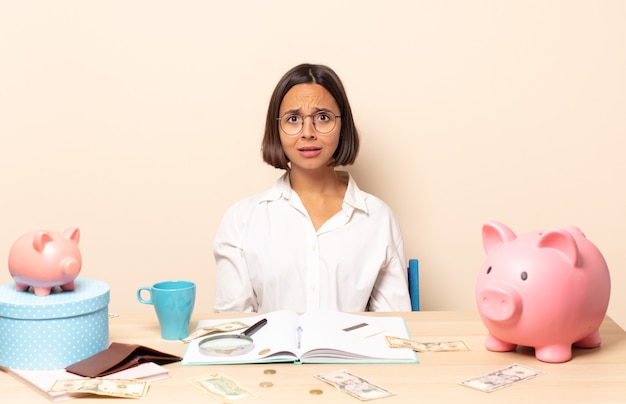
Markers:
<point>270,257</point>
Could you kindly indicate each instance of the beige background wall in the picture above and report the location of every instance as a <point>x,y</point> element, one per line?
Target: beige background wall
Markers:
<point>140,122</point>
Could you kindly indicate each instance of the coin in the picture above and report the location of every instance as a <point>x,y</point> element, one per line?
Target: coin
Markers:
<point>316,392</point>
<point>269,371</point>
<point>266,384</point>
<point>264,351</point>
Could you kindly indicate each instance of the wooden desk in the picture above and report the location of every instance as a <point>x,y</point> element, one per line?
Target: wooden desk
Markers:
<point>593,375</point>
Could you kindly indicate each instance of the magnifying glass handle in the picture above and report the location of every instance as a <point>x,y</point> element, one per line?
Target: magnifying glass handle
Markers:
<point>254,328</point>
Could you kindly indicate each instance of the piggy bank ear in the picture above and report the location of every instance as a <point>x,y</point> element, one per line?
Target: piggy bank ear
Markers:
<point>573,230</point>
<point>495,233</point>
<point>72,234</point>
<point>562,241</point>
<point>40,240</point>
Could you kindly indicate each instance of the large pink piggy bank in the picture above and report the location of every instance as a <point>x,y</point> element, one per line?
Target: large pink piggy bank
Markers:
<point>45,259</point>
<point>548,290</point>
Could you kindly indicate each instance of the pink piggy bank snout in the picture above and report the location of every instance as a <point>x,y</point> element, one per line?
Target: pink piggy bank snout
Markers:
<point>499,303</point>
<point>70,266</point>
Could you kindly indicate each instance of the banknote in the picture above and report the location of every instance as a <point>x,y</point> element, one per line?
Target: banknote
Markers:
<point>221,387</point>
<point>126,388</point>
<point>501,378</point>
<point>354,385</point>
<point>224,327</point>
<point>435,346</point>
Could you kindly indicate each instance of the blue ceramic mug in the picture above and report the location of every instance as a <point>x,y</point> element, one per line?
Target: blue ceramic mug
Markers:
<point>173,302</point>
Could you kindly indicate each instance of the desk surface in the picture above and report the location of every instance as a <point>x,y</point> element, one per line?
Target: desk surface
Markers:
<point>593,375</point>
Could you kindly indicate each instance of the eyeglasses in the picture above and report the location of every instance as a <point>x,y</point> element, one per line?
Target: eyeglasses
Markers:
<point>323,122</point>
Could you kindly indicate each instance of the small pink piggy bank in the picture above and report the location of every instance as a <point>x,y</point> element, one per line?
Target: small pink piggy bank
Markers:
<point>44,259</point>
<point>548,290</point>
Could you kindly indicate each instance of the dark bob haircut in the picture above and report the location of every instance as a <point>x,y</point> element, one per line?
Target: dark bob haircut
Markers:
<point>348,146</point>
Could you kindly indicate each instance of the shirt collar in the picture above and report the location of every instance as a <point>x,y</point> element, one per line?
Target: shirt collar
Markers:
<point>354,197</point>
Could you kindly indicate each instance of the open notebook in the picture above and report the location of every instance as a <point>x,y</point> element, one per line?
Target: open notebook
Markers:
<point>313,337</point>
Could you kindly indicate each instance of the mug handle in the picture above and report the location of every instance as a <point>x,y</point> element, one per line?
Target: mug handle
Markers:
<point>141,299</point>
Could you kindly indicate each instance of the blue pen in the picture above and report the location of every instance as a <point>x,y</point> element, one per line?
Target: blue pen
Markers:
<point>299,330</point>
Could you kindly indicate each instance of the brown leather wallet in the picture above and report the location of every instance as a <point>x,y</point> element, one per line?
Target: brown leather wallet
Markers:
<point>119,357</point>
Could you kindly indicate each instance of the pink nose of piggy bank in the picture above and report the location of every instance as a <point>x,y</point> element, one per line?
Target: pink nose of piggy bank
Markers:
<point>548,290</point>
<point>44,260</point>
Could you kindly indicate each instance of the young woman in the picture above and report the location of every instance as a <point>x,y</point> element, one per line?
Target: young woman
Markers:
<point>314,240</point>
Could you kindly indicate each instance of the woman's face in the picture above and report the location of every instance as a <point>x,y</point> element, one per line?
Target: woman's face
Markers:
<point>309,149</point>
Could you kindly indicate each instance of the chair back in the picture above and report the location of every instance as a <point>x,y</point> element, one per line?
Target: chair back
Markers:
<point>414,284</point>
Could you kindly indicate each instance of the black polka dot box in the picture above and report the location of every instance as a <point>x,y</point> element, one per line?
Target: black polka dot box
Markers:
<point>54,331</point>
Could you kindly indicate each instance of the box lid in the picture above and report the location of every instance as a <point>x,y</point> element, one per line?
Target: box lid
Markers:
<point>88,296</point>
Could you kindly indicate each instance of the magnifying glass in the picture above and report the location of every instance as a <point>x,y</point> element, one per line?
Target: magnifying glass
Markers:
<point>231,344</point>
